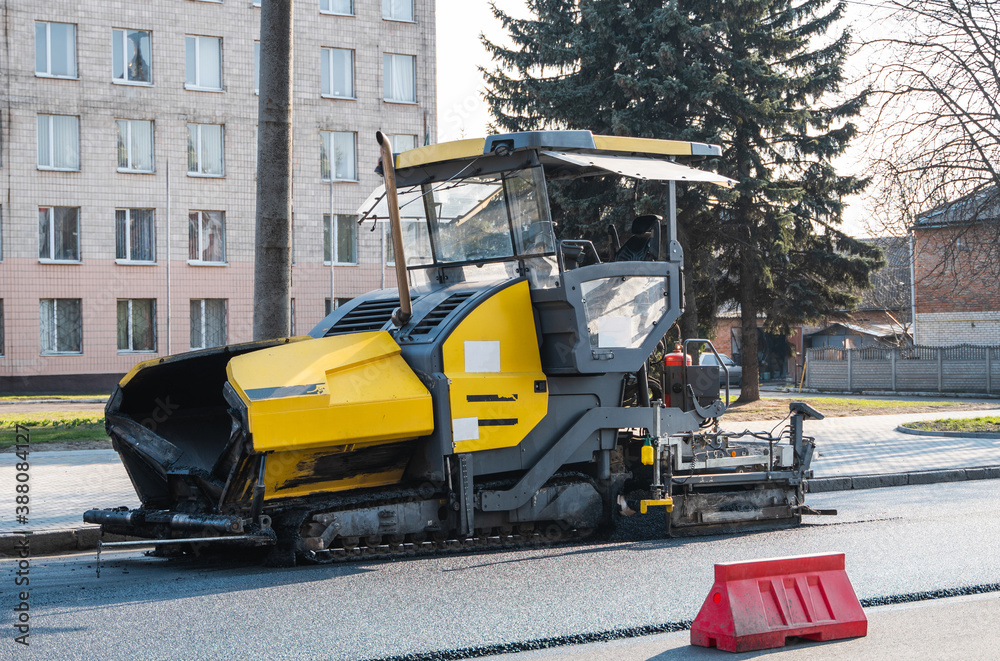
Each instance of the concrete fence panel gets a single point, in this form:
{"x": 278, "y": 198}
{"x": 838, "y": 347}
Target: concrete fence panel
{"x": 962, "y": 368}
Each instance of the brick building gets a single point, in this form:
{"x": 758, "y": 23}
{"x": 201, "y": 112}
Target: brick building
{"x": 956, "y": 259}
{"x": 128, "y": 166}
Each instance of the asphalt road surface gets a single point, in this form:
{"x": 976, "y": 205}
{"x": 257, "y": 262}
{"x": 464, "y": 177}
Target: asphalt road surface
{"x": 898, "y": 541}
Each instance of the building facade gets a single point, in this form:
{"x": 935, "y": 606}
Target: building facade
{"x": 956, "y": 263}
{"x": 128, "y": 168}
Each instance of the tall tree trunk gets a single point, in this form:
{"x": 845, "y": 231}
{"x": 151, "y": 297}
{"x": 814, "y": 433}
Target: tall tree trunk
{"x": 689, "y": 320}
{"x": 749, "y": 391}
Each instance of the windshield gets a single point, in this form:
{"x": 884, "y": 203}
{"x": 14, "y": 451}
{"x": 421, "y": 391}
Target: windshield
{"x": 490, "y": 218}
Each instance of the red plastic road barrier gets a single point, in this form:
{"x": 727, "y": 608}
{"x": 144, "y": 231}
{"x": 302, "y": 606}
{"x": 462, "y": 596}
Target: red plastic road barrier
{"x": 756, "y": 605}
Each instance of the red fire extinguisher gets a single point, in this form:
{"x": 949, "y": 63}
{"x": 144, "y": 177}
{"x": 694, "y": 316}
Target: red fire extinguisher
{"x": 676, "y": 358}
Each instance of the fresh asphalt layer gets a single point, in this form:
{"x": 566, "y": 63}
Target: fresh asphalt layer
{"x": 852, "y": 453}
{"x": 936, "y": 539}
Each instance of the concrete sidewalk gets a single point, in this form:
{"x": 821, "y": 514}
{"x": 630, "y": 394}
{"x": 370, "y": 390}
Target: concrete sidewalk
{"x": 870, "y": 445}
{"x": 849, "y": 450}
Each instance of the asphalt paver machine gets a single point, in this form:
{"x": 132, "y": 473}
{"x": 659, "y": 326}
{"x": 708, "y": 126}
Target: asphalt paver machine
{"x": 491, "y": 398}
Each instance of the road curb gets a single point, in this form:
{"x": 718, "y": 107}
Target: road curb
{"x": 948, "y": 434}
{"x": 827, "y": 484}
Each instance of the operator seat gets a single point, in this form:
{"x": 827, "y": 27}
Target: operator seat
{"x": 644, "y": 244}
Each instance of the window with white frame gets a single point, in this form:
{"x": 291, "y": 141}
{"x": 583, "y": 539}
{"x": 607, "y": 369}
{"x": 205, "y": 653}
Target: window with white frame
{"x": 60, "y": 325}
{"x": 137, "y": 324}
{"x": 131, "y": 56}
{"x": 399, "y": 78}
{"x": 397, "y": 10}
{"x": 338, "y": 156}
{"x": 55, "y": 50}
{"x": 341, "y": 236}
{"x": 403, "y": 142}
{"x": 207, "y": 237}
{"x": 208, "y": 322}
{"x": 256, "y": 67}
{"x": 135, "y": 145}
{"x": 58, "y": 142}
{"x": 343, "y": 7}
{"x": 337, "y": 73}
{"x": 203, "y": 63}
{"x": 205, "y": 156}
{"x": 135, "y": 235}
{"x": 59, "y": 234}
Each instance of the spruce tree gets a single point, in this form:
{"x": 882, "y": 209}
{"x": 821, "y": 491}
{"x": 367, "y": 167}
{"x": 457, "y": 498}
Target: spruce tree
{"x": 751, "y": 75}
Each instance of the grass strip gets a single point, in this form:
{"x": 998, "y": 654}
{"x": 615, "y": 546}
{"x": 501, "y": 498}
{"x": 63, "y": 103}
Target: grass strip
{"x": 986, "y": 424}
{"x": 49, "y": 426}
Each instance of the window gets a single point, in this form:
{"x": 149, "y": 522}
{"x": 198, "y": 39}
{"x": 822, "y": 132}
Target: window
{"x": 58, "y": 142}
{"x": 203, "y": 63}
{"x": 208, "y": 322}
{"x": 337, "y": 73}
{"x": 401, "y": 143}
{"x": 338, "y": 302}
{"x": 256, "y": 3}
{"x": 344, "y": 156}
{"x": 205, "y": 150}
{"x": 291, "y": 318}
{"x": 256, "y": 67}
{"x": 55, "y": 50}
{"x": 135, "y": 145}
{"x": 137, "y": 324}
{"x": 400, "y": 83}
{"x": 345, "y": 7}
{"x": 135, "y": 235}
{"x": 1, "y": 232}
{"x": 207, "y": 237}
{"x": 1, "y": 328}
{"x": 344, "y": 235}
{"x": 131, "y": 56}
{"x": 59, "y": 234}
{"x": 61, "y": 325}
{"x": 397, "y": 10}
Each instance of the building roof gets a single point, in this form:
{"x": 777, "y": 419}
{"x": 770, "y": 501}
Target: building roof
{"x": 980, "y": 205}
{"x": 875, "y": 330}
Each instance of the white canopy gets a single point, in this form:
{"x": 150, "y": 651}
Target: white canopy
{"x": 641, "y": 168}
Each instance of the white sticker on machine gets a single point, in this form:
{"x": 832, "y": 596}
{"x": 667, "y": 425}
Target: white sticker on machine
{"x": 482, "y": 356}
{"x": 614, "y": 332}
{"x": 465, "y": 429}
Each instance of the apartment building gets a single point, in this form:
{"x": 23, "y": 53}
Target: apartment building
{"x": 128, "y": 167}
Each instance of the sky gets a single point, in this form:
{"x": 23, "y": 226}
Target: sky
{"x": 462, "y": 111}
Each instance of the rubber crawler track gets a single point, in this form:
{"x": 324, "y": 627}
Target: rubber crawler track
{"x": 652, "y": 629}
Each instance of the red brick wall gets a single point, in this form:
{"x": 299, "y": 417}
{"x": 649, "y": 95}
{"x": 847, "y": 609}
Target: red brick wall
{"x": 953, "y": 278}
